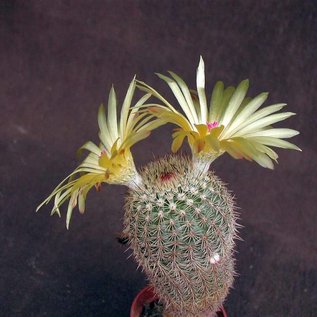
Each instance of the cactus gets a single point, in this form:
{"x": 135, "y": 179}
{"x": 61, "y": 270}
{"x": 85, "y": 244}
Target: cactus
{"x": 180, "y": 220}
{"x": 181, "y": 228}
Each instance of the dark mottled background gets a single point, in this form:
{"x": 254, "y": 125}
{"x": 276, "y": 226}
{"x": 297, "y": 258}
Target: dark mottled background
{"x": 58, "y": 60}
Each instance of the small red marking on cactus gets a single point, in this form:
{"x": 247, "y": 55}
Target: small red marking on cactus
{"x": 167, "y": 176}
{"x": 211, "y": 125}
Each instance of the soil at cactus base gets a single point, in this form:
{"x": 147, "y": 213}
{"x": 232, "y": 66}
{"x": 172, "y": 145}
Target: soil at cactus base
{"x": 155, "y": 309}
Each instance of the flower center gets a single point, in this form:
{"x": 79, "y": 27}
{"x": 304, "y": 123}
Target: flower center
{"x": 211, "y": 125}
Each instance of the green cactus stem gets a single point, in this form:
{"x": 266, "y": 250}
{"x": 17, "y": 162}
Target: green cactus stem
{"x": 181, "y": 227}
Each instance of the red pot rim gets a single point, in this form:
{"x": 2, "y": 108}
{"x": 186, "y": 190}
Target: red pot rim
{"x": 147, "y": 295}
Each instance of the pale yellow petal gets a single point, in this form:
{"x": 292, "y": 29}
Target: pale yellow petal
{"x": 257, "y": 116}
{"x": 90, "y": 146}
{"x": 200, "y": 82}
{"x": 235, "y": 101}
{"x": 125, "y": 108}
{"x": 104, "y": 134}
{"x": 178, "y": 141}
{"x": 244, "y": 115}
{"x": 229, "y": 91}
{"x": 215, "y": 102}
{"x": 145, "y": 87}
{"x": 263, "y": 123}
{"x": 281, "y": 133}
{"x": 179, "y": 96}
{"x": 202, "y": 129}
{"x": 112, "y": 120}
{"x": 187, "y": 95}
{"x": 270, "y": 141}
{"x": 135, "y": 137}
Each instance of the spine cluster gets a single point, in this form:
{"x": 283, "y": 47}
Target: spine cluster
{"x": 181, "y": 227}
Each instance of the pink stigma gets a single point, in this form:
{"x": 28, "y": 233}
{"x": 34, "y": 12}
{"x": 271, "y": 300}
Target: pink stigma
{"x": 211, "y": 125}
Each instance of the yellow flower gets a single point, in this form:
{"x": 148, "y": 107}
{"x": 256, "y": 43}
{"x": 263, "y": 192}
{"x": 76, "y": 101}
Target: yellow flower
{"x": 232, "y": 123}
{"x": 110, "y": 162}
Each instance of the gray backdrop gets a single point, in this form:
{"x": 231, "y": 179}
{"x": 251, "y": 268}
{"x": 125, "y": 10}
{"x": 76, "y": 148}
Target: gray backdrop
{"x": 58, "y": 60}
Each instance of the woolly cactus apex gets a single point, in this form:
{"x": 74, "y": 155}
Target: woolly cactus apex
{"x": 181, "y": 228}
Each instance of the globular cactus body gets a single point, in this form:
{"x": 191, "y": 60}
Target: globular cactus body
{"x": 181, "y": 227}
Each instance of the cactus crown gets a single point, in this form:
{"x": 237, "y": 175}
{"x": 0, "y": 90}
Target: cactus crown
{"x": 179, "y": 218}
